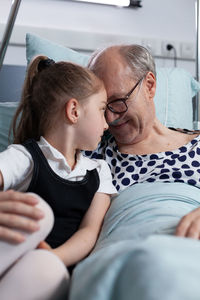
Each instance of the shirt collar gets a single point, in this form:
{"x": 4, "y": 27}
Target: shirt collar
{"x": 82, "y": 162}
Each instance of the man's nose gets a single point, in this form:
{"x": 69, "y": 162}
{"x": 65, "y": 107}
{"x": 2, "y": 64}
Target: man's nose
{"x": 110, "y": 116}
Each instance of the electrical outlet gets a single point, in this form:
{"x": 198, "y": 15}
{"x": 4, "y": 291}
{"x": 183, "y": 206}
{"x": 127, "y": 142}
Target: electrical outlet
{"x": 170, "y": 53}
{"x": 187, "y": 50}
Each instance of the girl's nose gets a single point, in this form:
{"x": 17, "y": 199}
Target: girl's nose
{"x": 105, "y": 125}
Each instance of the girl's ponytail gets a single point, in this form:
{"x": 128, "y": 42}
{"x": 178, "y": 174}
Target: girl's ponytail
{"x": 25, "y": 122}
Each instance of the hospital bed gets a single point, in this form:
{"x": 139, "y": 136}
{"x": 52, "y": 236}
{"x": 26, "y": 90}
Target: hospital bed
{"x": 97, "y": 277}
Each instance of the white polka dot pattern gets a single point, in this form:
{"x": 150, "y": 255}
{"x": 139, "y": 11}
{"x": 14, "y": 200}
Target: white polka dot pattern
{"x": 180, "y": 165}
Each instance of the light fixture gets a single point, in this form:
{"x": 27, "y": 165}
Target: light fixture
{"x": 123, "y": 3}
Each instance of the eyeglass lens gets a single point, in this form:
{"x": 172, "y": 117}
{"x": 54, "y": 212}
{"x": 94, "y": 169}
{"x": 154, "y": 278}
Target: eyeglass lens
{"x": 118, "y": 106}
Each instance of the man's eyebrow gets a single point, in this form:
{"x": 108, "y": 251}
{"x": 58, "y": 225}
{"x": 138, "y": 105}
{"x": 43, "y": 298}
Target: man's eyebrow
{"x": 115, "y": 97}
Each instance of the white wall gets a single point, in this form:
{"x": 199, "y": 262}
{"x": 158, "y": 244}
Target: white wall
{"x": 88, "y": 26}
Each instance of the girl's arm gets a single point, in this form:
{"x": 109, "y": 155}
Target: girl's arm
{"x": 83, "y": 241}
{"x": 1, "y": 181}
{"x": 18, "y": 211}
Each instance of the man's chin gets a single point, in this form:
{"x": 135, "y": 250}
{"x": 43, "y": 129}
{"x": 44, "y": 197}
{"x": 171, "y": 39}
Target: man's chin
{"x": 122, "y": 140}
{"x": 125, "y": 139}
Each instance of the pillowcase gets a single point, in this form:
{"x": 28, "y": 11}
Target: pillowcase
{"x": 36, "y": 45}
{"x": 175, "y": 86}
{"x": 173, "y": 99}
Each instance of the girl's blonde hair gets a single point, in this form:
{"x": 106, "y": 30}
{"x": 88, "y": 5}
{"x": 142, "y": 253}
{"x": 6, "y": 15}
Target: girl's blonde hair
{"x": 47, "y": 87}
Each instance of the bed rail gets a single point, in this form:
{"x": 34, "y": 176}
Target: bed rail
{"x": 8, "y": 29}
{"x": 197, "y": 99}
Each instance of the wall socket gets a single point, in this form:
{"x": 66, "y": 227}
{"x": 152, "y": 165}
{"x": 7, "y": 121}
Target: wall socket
{"x": 170, "y": 53}
{"x": 184, "y": 50}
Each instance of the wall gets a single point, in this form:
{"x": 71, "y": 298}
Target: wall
{"x": 88, "y": 26}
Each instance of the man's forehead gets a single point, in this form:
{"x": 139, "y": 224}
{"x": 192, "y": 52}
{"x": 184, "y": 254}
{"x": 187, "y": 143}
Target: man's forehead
{"x": 115, "y": 92}
{"x": 117, "y": 84}
{"x": 115, "y": 73}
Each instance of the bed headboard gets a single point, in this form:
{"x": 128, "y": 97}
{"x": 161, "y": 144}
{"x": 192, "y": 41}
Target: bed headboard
{"x": 11, "y": 81}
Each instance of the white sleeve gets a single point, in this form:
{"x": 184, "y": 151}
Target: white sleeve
{"x": 16, "y": 166}
{"x": 105, "y": 178}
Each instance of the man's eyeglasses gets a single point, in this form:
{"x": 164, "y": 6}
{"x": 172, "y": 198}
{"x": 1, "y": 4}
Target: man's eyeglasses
{"x": 119, "y": 105}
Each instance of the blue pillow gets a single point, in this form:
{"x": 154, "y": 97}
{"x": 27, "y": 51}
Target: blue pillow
{"x": 175, "y": 86}
{"x": 36, "y": 45}
{"x": 173, "y": 99}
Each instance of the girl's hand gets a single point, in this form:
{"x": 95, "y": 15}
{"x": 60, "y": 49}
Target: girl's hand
{"x": 18, "y": 211}
{"x": 44, "y": 245}
{"x": 189, "y": 225}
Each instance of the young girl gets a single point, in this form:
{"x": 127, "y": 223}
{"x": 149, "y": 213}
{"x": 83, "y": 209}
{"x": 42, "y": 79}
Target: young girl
{"x": 61, "y": 112}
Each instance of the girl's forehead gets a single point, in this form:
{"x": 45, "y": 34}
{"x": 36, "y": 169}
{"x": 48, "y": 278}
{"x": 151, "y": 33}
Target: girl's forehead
{"x": 97, "y": 98}
{"x": 102, "y": 94}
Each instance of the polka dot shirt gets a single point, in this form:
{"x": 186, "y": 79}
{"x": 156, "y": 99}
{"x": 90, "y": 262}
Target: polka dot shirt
{"x": 180, "y": 165}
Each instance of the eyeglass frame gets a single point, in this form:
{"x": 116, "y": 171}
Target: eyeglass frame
{"x": 124, "y": 99}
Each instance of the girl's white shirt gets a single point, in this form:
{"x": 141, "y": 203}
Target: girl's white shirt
{"x": 16, "y": 165}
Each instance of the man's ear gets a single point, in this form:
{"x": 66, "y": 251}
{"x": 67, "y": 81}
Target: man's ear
{"x": 150, "y": 80}
{"x": 72, "y": 110}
